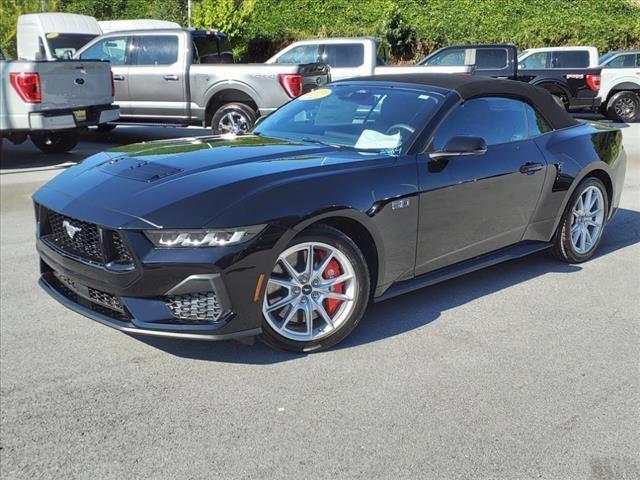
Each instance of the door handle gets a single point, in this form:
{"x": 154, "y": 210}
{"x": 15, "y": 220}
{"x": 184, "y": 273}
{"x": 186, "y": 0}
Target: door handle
{"x": 118, "y": 78}
{"x": 171, "y": 77}
{"x": 530, "y": 168}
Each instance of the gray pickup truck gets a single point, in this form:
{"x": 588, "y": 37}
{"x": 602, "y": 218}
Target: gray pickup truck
{"x": 51, "y": 101}
{"x": 179, "y": 76}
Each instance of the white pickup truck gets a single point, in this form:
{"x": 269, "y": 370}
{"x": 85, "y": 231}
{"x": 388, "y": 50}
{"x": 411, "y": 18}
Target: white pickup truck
{"x": 51, "y": 101}
{"x": 351, "y": 57}
{"x": 620, "y": 85}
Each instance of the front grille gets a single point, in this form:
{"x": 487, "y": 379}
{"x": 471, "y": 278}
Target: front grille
{"x": 106, "y": 299}
{"x": 78, "y": 238}
{"x": 200, "y": 307}
{"x": 99, "y": 301}
{"x": 83, "y": 240}
{"x": 121, "y": 251}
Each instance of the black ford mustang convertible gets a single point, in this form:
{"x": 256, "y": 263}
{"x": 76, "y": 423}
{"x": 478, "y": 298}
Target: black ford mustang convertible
{"x": 359, "y": 191}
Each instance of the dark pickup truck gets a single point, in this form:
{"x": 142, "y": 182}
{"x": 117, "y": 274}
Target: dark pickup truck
{"x": 576, "y": 88}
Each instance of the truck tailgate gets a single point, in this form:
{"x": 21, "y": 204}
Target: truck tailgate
{"x": 73, "y": 83}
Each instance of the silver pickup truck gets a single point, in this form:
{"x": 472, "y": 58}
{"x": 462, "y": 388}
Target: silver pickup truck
{"x": 51, "y": 101}
{"x": 178, "y": 76}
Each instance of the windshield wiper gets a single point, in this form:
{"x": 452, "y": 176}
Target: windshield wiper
{"x": 318, "y": 142}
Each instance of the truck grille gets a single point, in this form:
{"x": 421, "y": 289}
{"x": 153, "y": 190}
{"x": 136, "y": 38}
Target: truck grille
{"x": 83, "y": 240}
{"x": 200, "y": 307}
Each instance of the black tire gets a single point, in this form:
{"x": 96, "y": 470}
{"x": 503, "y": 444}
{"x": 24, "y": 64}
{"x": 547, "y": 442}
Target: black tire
{"x": 106, "y": 127}
{"x": 563, "y": 248}
{"x": 345, "y": 245}
{"x": 624, "y": 107}
{"x": 55, "y": 142}
{"x": 244, "y": 117}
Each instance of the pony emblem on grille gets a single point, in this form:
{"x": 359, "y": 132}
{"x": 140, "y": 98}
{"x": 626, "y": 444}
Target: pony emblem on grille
{"x": 70, "y": 229}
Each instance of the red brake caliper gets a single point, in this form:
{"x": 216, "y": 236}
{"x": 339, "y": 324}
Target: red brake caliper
{"x": 333, "y": 270}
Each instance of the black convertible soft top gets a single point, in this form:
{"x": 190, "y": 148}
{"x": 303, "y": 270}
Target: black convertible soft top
{"x": 471, "y": 87}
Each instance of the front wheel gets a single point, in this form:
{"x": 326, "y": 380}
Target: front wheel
{"x": 582, "y": 225}
{"x": 624, "y": 107}
{"x": 233, "y": 118}
{"x": 317, "y": 292}
{"x": 55, "y": 142}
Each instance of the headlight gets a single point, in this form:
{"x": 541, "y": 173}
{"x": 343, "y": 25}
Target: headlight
{"x": 202, "y": 238}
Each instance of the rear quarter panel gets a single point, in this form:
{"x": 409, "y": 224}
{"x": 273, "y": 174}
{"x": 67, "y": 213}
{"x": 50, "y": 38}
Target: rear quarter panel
{"x": 573, "y": 154}
{"x": 259, "y": 81}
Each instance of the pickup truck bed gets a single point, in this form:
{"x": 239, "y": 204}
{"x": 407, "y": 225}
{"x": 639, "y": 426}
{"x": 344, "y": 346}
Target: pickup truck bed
{"x": 178, "y": 76}
{"x": 575, "y": 88}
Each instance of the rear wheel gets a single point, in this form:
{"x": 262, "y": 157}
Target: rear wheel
{"x": 581, "y": 228}
{"x": 55, "y": 142}
{"x": 624, "y": 107}
{"x": 317, "y": 292}
{"x": 233, "y": 118}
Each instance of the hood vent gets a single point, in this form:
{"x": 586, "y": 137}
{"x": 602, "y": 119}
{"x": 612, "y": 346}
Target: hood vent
{"x": 136, "y": 169}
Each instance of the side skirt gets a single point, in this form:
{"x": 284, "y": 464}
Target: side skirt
{"x": 462, "y": 268}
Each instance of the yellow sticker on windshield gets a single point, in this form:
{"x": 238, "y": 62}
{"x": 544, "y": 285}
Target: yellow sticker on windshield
{"x": 52, "y": 35}
{"x": 316, "y": 94}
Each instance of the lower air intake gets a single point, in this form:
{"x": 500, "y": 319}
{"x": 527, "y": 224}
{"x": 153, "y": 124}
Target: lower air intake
{"x": 195, "y": 307}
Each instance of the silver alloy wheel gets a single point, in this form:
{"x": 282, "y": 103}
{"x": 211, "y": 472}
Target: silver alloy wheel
{"x": 587, "y": 220}
{"x": 234, "y": 122}
{"x": 625, "y": 107}
{"x": 306, "y": 298}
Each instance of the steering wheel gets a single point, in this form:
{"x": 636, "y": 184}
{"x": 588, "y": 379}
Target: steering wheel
{"x": 400, "y": 126}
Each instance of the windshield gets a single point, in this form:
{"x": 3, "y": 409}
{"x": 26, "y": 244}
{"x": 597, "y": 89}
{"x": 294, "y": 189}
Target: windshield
{"x": 59, "y": 43}
{"x": 354, "y": 116}
{"x": 605, "y": 57}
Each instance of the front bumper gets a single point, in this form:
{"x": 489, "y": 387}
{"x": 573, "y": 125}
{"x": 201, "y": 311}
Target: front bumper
{"x": 131, "y": 326}
{"x": 141, "y": 296}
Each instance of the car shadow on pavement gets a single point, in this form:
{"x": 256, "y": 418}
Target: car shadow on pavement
{"x": 416, "y": 309}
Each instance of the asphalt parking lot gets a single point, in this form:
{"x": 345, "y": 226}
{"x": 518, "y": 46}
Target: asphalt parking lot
{"x": 529, "y": 369}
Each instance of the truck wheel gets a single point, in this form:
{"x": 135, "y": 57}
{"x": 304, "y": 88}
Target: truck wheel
{"x": 55, "y": 142}
{"x": 236, "y": 118}
{"x": 106, "y": 127}
{"x": 624, "y": 107}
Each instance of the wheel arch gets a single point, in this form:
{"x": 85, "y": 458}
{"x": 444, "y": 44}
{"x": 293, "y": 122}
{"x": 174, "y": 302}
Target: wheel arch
{"x": 357, "y": 226}
{"x": 551, "y": 84}
{"x": 624, "y": 86}
{"x": 597, "y": 170}
{"x": 228, "y": 95}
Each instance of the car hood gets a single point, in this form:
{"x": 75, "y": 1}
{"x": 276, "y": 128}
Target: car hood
{"x": 184, "y": 183}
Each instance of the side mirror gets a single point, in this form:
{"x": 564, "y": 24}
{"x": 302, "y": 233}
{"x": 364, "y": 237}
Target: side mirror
{"x": 461, "y": 145}
{"x": 67, "y": 55}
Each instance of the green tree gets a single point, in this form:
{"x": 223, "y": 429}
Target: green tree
{"x": 10, "y": 10}
{"x": 230, "y": 16}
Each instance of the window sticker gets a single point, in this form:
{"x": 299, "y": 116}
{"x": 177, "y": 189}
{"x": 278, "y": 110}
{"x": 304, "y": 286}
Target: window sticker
{"x": 52, "y": 35}
{"x": 370, "y": 139}
{"x": 316, "y": 94}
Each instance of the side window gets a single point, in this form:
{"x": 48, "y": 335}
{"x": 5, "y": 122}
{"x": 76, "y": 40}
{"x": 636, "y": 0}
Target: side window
{"x": 622, "y": 61}
{"x": 344, "y": 55}
{"x": 157, "y": 50}
{"x": 113, "y": 49}
{"x": 496, "y": 120}
{"x": 638, "y": 60}
{"x": 536, "y": 124}
{"x": 301, "y": 54}
{"x": 535, "y": 60}
{"x": 450, "y": 58}
{"x": 570, "y": 59}
{"x": 488, "y": 58}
